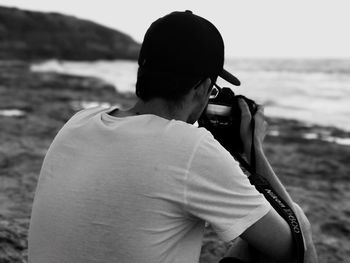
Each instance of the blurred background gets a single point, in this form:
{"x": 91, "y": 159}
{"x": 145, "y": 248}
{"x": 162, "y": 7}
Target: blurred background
{"x": 293, "y": 57}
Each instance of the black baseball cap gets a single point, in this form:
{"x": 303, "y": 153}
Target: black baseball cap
{"x": 184, "y": 43}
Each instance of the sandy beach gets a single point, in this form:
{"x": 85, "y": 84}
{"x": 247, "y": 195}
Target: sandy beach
{"x": 34, "y": 106}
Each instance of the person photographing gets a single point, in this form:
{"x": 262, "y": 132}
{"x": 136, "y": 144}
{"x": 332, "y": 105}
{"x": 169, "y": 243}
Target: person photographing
{"x": 138, "y": 185}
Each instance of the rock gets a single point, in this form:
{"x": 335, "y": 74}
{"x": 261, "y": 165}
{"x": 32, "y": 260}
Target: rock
{"x": 13, "y": 243}
{"x": 37, "y": 35}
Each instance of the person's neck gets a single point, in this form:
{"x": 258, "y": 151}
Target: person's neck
{"x": 159, "y": 107}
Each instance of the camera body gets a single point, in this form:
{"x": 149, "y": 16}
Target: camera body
{"x": 222, "y": 117}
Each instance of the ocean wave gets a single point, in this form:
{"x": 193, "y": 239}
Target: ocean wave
{"x": 329, "y": 66}
{"x": 315, "y": 91}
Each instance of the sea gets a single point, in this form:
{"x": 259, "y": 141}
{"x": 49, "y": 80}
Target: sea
{"x": 314, "y": 91}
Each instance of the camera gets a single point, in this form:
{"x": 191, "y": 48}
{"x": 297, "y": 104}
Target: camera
{"x": 222, "y": 117}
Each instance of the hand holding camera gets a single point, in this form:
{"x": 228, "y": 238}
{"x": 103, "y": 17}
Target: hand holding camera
{"x": 229, "y": 118}
{"x": 246, "y": 128}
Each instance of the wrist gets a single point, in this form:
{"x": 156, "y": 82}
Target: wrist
{"x": 259, "y": 151}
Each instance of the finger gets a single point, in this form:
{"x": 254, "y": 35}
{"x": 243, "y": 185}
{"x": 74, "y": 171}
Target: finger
{"x": 260, "y": 109}
{"x": 245, "y": 112}
{"x": 259, "y": 115}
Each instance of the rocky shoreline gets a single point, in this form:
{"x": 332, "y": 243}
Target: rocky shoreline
{"x": 34, "y": 106}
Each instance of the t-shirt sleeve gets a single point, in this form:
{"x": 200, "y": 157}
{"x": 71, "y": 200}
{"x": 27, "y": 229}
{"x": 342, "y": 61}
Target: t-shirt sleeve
{"x": 218, "y": 191}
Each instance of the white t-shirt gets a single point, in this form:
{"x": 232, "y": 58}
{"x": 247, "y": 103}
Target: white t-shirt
{"x": 136, "y": 189}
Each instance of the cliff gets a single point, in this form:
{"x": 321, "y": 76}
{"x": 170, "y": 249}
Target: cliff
{"x": 32, "y": 35}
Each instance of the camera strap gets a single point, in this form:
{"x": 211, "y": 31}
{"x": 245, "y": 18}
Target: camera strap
{"x": 282, "y": 208}
{"x": 223, "y": 133}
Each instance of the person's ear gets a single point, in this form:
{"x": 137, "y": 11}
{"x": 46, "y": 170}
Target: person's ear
{"x": 203, "y": 87}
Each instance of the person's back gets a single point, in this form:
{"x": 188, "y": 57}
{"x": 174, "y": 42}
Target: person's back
{"x": 120, "y": 190}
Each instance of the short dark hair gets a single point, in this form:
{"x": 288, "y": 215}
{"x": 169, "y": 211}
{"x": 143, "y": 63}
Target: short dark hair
{"x": 170, "y": 87}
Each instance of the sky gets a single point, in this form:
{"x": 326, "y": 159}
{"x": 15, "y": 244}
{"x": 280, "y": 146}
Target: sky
{"x": 250, "y": 28}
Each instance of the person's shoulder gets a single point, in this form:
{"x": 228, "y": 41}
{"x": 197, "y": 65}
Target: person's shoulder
{"x": 208, "y": 148}
{"x": 187, "y": 131}
{"x": 203, "y": 143}
{"x": 186, "y": 127}
{"x": 87, "y": 114}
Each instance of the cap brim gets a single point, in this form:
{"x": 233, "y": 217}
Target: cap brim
{"x": 230, "y": 78}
